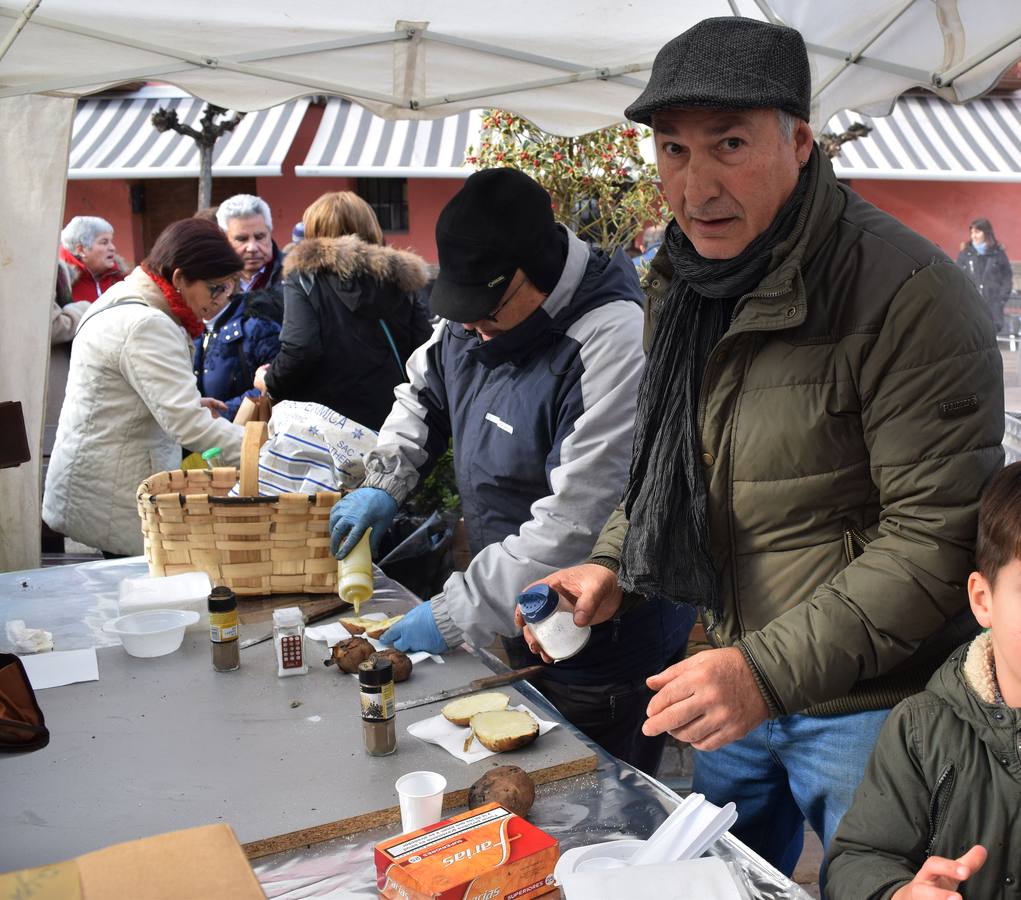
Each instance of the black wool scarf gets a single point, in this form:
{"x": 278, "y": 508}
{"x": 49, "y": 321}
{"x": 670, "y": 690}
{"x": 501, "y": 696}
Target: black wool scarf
{"x": 667, "y": 550}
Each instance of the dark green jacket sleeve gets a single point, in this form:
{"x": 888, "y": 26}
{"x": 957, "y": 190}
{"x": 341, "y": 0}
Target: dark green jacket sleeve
{"x": 611, "y": 538}
{"x": 931, "y": 393}
{"x": 880, "y": 843}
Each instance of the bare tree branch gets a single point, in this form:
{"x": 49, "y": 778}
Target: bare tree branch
{"x": 205, "y": 137}
{"x": 831, "y": 143}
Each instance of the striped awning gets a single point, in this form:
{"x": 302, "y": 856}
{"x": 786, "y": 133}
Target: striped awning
{"x": 113, "y": 137}
{"x": 352, "y": 142}
{"x": 927, "y": 139}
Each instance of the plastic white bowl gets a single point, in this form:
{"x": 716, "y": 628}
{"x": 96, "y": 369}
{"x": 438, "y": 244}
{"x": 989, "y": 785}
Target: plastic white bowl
{"x": 605, "y": 855}
{"x": 154, "y": 632}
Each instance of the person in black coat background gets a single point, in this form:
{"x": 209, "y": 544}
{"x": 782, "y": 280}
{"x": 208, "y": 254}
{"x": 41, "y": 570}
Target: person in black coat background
{"x": 350, "y": 320}
{"x": 986, "y": 263}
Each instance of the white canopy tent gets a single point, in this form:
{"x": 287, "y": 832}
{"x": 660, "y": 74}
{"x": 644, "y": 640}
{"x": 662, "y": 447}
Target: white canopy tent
{"x": 570, "y": 67}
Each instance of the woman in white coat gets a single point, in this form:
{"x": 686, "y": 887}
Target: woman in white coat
{"x": 131, "y": 402}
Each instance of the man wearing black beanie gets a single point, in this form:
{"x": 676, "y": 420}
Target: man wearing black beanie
{"x": 534, "y": 375}
{"x": 821, "y": 407}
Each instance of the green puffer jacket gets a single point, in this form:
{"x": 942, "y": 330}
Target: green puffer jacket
{"x": 850, "y": 417}
{"x": 945, "y": 775}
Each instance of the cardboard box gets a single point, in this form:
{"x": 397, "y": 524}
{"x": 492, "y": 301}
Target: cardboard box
{"x": 487, "y": 853}
{"x": 194, "y": 864}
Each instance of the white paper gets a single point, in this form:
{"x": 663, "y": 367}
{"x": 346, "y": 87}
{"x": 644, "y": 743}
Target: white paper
{"x": 60, "y": 667}
{"x": 692, "y": 879}
{"x": 451, "y": 737}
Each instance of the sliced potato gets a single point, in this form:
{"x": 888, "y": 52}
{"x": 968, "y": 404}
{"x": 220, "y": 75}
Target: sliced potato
{"x": 372, "y": 628}
{"x": 504, "y": 729}
{"x": 461, "y": 710}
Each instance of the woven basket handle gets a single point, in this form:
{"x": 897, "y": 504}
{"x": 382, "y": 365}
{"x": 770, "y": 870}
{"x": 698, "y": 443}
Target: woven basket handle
{"x": 255, "y": 437}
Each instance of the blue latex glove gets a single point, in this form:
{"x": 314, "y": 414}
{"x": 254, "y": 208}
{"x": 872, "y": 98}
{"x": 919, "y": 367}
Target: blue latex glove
{"x": 416, "y": 631}
{"x": 351, "y": 515}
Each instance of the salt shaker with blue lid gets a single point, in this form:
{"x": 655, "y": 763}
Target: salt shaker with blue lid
{"x": 551, "y": 620}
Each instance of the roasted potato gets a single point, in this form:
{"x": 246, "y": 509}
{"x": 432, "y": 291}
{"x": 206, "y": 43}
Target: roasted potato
{"x": 348, "y": 654}
{"x": 510, "y": 786}
{"x": 461, "y": 710}
{"x": 400, "y": 662}
{"x": 504, "y": 729}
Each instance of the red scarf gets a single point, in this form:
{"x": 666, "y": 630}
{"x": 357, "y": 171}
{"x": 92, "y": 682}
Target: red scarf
{"x": 84, "y": 285}
{"x": 192, "y": 323}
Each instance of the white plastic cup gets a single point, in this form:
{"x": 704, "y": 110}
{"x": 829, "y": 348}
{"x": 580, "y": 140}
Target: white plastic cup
{"x": 421, "y": 796}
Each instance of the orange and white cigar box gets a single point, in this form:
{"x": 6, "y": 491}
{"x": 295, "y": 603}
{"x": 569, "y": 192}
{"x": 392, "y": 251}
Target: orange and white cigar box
{"x": 488, "y": 853}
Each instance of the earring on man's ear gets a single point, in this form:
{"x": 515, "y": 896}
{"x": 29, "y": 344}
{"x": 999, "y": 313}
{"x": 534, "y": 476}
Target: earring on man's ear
{"x": 803, "y": 163}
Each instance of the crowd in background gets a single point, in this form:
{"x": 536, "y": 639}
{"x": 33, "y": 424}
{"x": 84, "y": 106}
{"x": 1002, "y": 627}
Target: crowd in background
{"x": 216, "y": 313}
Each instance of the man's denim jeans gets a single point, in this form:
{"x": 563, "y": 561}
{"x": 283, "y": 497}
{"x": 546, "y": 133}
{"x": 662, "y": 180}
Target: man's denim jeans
{"x": 786, "y": 771}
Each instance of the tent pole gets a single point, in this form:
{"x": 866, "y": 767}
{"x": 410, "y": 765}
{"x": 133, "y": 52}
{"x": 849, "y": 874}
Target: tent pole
{"x": 63, "y": 84}
{"x": 26, "y": 14}
{"x": 853, "y": 57}
{"x": 947, "y": 78}
{"x": 606, "y": 74}
{"x": 920, "y": 76}
{"x": 362, "y": 40}
{"x": 191, "y": 59}
{"x": 767, "y": 11}
{"x": 508, "y": 53}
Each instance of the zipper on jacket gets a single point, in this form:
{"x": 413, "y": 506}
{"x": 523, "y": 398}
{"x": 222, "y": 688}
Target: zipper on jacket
{"x": 854, "y": 544}
{"x": 938, "y": 805}
{"x": 708, "y": 620}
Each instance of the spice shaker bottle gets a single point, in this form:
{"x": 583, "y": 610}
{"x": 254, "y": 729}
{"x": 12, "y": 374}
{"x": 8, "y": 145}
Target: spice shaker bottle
{"x": 223, "y": 629}
{"x": 551, "y": 620}
{"x": 289, "y": 640}
{"x": 379, "y": 726}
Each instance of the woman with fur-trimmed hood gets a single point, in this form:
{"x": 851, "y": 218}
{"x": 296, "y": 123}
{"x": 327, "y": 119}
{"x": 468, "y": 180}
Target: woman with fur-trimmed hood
{"x": 350, "y": 316}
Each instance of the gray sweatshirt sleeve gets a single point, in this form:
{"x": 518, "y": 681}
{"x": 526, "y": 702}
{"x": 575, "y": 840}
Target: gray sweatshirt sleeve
{"x": 594, "y": 449}
{"x": 418, "y": 428}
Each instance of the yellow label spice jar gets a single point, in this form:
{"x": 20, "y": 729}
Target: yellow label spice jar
{"x": 223, "y": 629}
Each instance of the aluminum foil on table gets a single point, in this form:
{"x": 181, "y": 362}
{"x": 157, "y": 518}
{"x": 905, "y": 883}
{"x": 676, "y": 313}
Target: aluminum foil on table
{"x": 72, "y": 602}
{"x": 613, "y": 802}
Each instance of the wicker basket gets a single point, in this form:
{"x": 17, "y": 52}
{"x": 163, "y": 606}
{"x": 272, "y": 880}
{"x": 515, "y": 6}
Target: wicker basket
{"x": 251, "y": 544}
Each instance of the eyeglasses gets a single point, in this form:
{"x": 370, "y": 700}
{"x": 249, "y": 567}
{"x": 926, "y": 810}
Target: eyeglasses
{"x": 507, "y": 299}
{"x": 216, "y": 289}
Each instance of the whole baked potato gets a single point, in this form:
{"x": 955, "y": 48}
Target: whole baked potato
{"x": 401, "y": 663}
{"x": 510, "y": 786}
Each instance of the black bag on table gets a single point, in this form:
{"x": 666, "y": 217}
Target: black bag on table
{"x": 22, "y": 726}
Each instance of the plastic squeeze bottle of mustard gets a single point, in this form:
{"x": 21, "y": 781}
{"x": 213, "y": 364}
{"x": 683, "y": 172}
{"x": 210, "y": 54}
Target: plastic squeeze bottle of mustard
{"x": 354, "y": 573}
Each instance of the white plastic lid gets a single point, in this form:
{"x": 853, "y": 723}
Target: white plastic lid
{"x": 288, "y": 615}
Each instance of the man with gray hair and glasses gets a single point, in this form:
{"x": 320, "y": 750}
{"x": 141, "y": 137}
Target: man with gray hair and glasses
{"x": 821, "y": 406}
{"x": 248, "y": 224}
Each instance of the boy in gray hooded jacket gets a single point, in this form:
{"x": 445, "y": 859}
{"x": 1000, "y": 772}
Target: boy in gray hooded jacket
{"x": 935, "y": 817}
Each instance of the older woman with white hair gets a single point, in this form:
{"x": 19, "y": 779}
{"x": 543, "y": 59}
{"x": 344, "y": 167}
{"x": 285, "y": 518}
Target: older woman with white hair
{"x": 88, "y": 258}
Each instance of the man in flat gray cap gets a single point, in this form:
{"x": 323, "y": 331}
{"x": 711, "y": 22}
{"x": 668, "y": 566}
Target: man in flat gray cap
{"x": 821, "y": 407}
